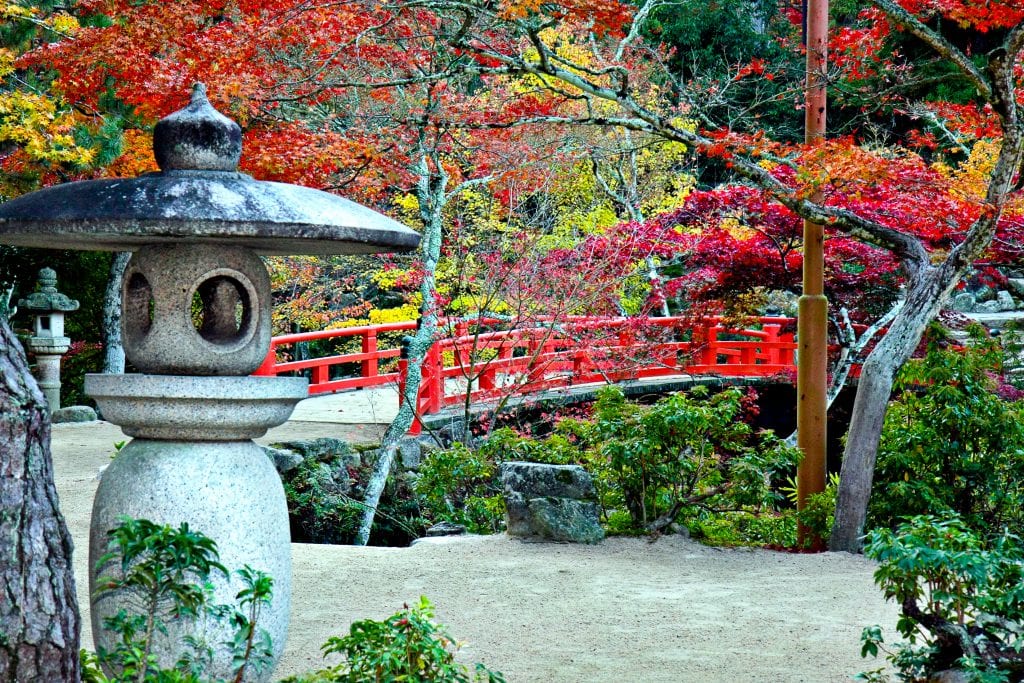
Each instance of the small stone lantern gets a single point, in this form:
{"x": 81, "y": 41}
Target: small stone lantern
{"x": 196, "y": 324}
{"x": 48, "y": 342}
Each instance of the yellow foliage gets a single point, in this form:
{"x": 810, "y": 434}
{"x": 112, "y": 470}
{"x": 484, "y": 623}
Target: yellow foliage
{"x": 386, "y": 279}
{"x": 60, "y": 22}
{"x": 6, "y": 62}
{"x": 38, "y": 126}
{"x": 33, "y": 123}
{"x": 64, "y": 23}
{"x": 10, "y": 10}
{"x": 471, "y": 303}
{"x": 969, "y": 181}
{"x": 735, "y": 227}
{"x": 407, "y": 208}
{"x": 477, "y": 209}
{"x": 379, "y": 316}
{"x": 344, "y": 323}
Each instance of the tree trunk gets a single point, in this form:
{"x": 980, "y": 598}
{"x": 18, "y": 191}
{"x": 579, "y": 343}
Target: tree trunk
{"x": 397, "y": 430}
{"x": 927, "y": 292}
{"x": 431, "y": 193}
{"x": 39, "y": 620}
{"x": 113, "y": 351}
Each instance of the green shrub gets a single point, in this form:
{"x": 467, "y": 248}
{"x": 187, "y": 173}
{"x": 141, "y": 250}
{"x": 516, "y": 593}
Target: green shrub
{"x": 325, "y": 503}
{"x": 817, "y": 515}
{"x": 950, "y": 444}
{"x": 961, "y": 600}
{"x": 407, "y": 646}
{"x": 732, "y": 529}
{"x": 506, "y": 444}
{"x": 168, "y": 571}
{"x": 459, "y": 485}
{"x": 319, "y": 505}
{"x": 686, "y": 457}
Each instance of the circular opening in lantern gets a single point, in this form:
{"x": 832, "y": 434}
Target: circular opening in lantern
{"x": 223, "y": 309}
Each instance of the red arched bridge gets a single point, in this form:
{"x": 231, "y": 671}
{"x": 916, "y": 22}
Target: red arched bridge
{"x": 479, "y": 362}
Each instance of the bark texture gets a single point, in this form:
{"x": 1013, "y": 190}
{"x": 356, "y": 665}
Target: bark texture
{"x": 39, "y": 620}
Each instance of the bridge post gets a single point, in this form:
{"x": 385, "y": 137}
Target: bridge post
{"x": 321, "y": 375}
{"x": 771, "y": 348}
{"x": 708, "y": 351}
{"x": 269, "y": 361}
{"x": 433, "y": 379}
{"x": 370, "y": 368}
{"x": 403, "y": 381}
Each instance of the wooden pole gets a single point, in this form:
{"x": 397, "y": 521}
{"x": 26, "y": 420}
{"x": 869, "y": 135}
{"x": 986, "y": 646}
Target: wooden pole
{"x": 812, "y": 324}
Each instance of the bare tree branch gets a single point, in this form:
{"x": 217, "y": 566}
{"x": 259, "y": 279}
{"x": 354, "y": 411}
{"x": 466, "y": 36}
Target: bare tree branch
{"x": 936, "y": 42}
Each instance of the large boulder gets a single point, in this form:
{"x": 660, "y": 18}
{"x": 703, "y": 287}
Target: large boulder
{"x": 1016, "y": 287}
{"x": 550, "y": 502}
{"x": 284, "y": 460}
{"x": 963, "y": 302}
{"x": 287, "y": 456}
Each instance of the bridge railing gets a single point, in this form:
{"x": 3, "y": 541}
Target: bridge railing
{"x": 485, "y": 366}
{"x": 487, "y": 363}
{"x": 326, "y": 373}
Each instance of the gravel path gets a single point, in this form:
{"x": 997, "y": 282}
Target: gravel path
{"x": 623, "y": 611}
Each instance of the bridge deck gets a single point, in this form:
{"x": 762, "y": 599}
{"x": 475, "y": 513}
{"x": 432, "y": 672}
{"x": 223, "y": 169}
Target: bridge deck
{"x": 375, "y": 405}
{"x": 379, "y": 405}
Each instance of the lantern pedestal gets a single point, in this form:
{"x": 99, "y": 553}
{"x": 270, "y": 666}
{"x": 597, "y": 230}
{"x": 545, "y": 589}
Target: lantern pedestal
{"x": 48, "y": 352}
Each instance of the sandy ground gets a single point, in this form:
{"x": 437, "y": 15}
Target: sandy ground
{"x": 623, "y": 611}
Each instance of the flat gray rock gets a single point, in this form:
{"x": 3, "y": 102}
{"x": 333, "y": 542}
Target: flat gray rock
{"x": 73, "y": 414}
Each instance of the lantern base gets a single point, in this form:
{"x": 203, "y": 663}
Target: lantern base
{"x": 228, "y": 491}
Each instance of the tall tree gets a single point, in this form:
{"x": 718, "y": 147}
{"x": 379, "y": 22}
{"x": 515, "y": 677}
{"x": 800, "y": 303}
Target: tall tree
{"x": 517, "y": 38}
{"x": 39, "y": 620}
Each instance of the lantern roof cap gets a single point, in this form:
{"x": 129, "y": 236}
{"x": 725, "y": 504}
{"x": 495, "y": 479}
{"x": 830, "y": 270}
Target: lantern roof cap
{"x": 46, "y": 298}
{"x": 198, "y": 197}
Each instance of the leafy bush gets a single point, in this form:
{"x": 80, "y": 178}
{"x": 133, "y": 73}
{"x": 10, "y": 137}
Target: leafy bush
{"x": 950, "y": 444}
{"x": 731, "y": 529}
{"x": 689, "y": 456}
{"x": 818, "y": 513}
{"x": 686, "y": 455}
{"x": 961, "y": 601}
{"x": 407, "y": 646}
{"x": 320, "y": 507}
{"x": 458, "y": 485}
{"x": 168, "y": 571}
{"x": 325, "y": 503}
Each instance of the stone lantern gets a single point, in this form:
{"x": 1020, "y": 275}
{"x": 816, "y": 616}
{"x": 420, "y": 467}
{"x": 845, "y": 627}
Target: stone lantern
{"x": 196, "y": 323}
{"x": 48, "y": 342}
